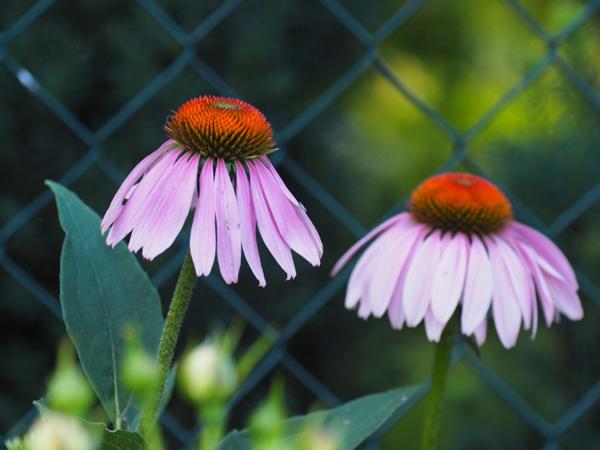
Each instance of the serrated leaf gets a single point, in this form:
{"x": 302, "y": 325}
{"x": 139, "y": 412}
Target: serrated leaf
{"x": 103, "y": 291}
{"x": 352, "y": 422}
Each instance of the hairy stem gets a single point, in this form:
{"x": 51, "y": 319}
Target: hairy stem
{"x": 179, "y": 304}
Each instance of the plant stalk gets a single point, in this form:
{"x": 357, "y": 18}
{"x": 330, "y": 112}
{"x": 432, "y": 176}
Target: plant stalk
{"x": 441, "y": 364}
{"x": 179, "y": 304}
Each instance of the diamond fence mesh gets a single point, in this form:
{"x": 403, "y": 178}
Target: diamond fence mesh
{"x": 190, "y": 57}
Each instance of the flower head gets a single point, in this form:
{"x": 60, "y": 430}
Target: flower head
{"x": 459, "y": 245}
{"x": 214, "y": 161}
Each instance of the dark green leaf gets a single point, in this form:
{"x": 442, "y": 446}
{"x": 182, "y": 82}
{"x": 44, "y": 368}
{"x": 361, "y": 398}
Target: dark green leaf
{"x": 121, "y": 440}
{"x": 103, "y": 291}
{"x": 353, "y": 422}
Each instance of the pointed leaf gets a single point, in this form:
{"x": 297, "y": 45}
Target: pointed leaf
{"x": 354, "y": 421}
{"x": 102, "y": 291}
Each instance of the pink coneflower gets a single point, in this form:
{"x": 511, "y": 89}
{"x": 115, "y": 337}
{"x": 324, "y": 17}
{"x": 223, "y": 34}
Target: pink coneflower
{"x": 459, "y": 244}
{"x": 214, "y": 161}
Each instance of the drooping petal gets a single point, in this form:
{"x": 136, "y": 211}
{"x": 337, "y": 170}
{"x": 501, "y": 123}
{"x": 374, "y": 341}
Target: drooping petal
{"x": 530, "y": 290}
{"x": 284, "y": 213}
{"x": 416, "y": 295}
{"x": 267, "y": 227}
{"x": 267, "y": 163}
{"x": 203, "y": 240}
{"x": 477, "y": 297}
{"x": 166, "y": 208}
{"x": 361, "y": 275}
{"x": 481, "y": 332}
{"x": 366, "y": 238}
{"x": 540, "y": 283}
{"x": 389, "y": 263}
{"x": 506, "y": 311}
{"x": 301, "y": 211}
{"x": 229, "y": 241}
{"x": 248, "y": 224}
{"x": 565, "y": 299}
{"x": 433, "y": 327}
{"x": 449, "y": 278}
{"x": 125, "y": 190}
{"x": 546, "y": 249}
{"x": 396, "y": 309}
{"x": 150, "y": 184}
{"x": 519, "y": 274}
{"x": 364, "y": 310}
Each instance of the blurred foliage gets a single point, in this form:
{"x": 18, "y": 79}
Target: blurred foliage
{"x": 368, "y": 149}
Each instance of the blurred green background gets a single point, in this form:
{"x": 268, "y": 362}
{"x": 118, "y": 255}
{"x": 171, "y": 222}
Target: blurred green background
{"x": 119, "y": 67}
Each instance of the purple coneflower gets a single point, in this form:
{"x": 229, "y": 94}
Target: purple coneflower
{"x": 458, "y": 244}
{"x": 214, "y": 161}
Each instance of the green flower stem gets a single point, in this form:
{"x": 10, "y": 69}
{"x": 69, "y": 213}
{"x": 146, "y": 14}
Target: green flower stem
{"x": 213, "y": 418}
{"x": 179, "y": 304}
{"x": 441, "y": 364}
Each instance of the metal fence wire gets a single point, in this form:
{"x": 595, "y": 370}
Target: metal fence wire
{"x": 93, "y": 140}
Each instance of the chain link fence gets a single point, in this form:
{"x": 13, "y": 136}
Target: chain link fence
{"x": 370, "y": 58}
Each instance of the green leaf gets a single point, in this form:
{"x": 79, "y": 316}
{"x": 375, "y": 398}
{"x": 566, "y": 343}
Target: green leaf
{"x": 121, "y": 440}
{"x": 102, "y": 291}
{"x": 353, "y": 422}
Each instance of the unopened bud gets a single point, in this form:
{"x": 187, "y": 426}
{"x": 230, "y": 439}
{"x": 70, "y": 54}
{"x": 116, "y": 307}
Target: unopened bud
{"x": 208, "y": 373}
{"x": 68, "y": 390}
{"x": 267, "y": 422}
{"x": 140, "y": 372}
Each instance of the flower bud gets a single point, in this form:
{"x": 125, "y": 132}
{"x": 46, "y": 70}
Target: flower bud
{"x": 57, "y": 432}
{"x": 267, "y": 428}
{"x": 140, "y": 372}
{"x": 68, "y": 390}
{"x": 208, "y": 373}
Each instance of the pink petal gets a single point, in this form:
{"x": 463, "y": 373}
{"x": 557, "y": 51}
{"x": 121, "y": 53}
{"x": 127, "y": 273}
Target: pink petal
{"x": 519, "y": 275}
{"x": 166, "y": 208}
{"x": 565, "y": 299}
{"x": 540, "y": 282}
{"x": 125, "y": 190}
{"x": 151, "y": 183}
{"x": 507, "y": 314}
{"x": 477, "y": 297}
{"x": 370, "y": 235}
{"x": 395, "y": 246}
{"x": 364, "y": 310}
{"x": 203, "y": 236}
{"x": 301, "y": 211}
{"x": 433, "y": 327}
{"x": 361, "y": 275}
{"x": 416, "y": 295}
{"x": 267, "y": 163}
{"x": 267, "y": 228}
{"x": 530, "y": 291}
{"x": 546, "y": 248}
{"x": 481, "y": 332}
{"x": 229, "y": 240}
{"x": 284, "y": 213}
{"x": 248, "y": 224}
{"x": 449, "y": 278}
{"x": 396, "y": 309}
